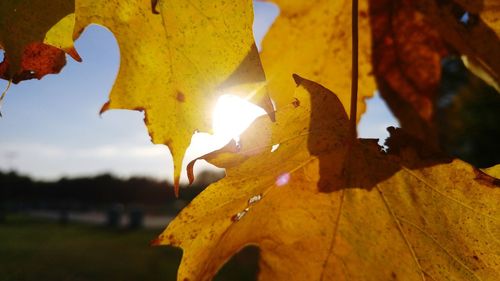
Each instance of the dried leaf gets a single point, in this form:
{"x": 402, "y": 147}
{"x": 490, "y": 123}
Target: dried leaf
{"x": 488, "y": 11}
{"x": 175, "y": 65}
{"x": 34, "y": 34}
{"x": 410, "y": 41}
{"x": 471, "y": 27}
{"x": 407, "y": 54}
{"x": 38, "y": 60}
{"x": 323, "y": 208}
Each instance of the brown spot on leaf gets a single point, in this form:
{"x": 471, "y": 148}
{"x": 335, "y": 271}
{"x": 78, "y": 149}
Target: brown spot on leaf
{"x": 180, "y": 96}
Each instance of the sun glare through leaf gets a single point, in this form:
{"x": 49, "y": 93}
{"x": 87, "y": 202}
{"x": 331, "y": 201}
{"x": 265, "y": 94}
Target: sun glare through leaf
{"x": 232, "y": 115}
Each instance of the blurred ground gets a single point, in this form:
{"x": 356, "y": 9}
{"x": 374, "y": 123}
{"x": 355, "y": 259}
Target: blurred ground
{"x": 38, "y": 249}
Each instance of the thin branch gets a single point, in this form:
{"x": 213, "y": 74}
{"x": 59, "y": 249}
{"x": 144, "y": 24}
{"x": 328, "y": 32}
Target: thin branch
{"x": 3, "y": 95}
{"x": 354, "y": 78}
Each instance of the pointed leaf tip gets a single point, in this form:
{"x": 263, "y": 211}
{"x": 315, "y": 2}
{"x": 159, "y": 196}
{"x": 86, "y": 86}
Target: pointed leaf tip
{"x": 177, "y": 168}
{"x": 72, "y": 52}
{"x": 297, "y": 79}
{"x": 104, "y": 108}
{"x": 176, "y": 186}
{"x": 190, "y": 171}
{"x": 155, "y": 242}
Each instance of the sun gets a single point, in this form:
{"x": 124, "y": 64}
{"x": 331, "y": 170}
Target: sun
{"x": 232, "y": 115}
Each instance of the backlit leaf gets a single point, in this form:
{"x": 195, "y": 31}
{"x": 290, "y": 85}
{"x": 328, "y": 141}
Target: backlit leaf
{"x": 175, "y": 65}
{"x": 473, "y": 28}
{"x": 493, "y": 171}
{"x": 411, "y": 39}
{"x": 407, "y": 55}
{"x": 321, "y": 207}
{"x": 313, "y": 39}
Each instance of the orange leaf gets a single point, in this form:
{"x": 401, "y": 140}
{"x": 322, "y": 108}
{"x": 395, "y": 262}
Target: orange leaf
{"x": 407, "y": 54}
{"x": 34, "y": 34}
{"x": 323, "y": 208}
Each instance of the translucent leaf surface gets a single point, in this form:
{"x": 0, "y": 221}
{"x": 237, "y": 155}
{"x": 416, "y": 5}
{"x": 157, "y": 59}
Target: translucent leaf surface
{"x": 313, "y": 39}
{"x": 321, "y": 207}
{"x": 175, "y": 64}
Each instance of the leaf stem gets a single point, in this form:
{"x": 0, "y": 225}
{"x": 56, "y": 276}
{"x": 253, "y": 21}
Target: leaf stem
{"x": 3, "y": 95}
{"x": 354, "y": 78}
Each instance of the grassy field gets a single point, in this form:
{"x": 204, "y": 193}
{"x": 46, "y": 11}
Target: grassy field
{"x": 39, "y": 250}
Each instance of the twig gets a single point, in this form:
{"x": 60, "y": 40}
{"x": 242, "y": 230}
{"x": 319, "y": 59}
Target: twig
{"x": 354, "y": 78}
{"x": 3, "y": 95}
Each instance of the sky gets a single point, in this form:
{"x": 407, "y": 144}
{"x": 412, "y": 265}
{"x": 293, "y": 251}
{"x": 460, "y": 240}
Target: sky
{"x": 51, "y": 127}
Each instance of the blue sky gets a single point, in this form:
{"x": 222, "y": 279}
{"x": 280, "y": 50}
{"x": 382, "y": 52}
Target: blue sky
{"x": 51, "y": 127}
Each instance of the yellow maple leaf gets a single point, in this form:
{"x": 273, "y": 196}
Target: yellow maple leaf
{"x": 313, "y": 39}
{"x": 321, "y": 207}
{"x": 175, "y": 65}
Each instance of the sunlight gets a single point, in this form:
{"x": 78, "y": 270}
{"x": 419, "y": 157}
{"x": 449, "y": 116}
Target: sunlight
{"x": 232, "y": 115}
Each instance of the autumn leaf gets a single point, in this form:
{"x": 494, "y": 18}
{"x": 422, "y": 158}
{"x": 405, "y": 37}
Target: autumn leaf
{"x": 410, "y": 41}
{"x": 489, "y": 175}
{"x": 472, "y": 28}
{"x": 321, "y": 207}
{"x": 407, "y": 55}
{"x": 35, "y": 34}
{"x": 487, "y": 10}
{"x": 404, "y": 43}
{"x": 313, "y": 39}
{"x": 493, "y": 171}
{"x": 175, "y": 65}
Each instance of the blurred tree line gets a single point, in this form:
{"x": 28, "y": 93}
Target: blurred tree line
{"x": 85, "y": 193}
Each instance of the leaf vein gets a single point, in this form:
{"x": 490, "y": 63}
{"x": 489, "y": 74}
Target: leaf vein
{"x": 447, "y": 196}
{"x": 334, "y": 235}
{"x": 440, "y": 246}
{"x": 400, "y": 230}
